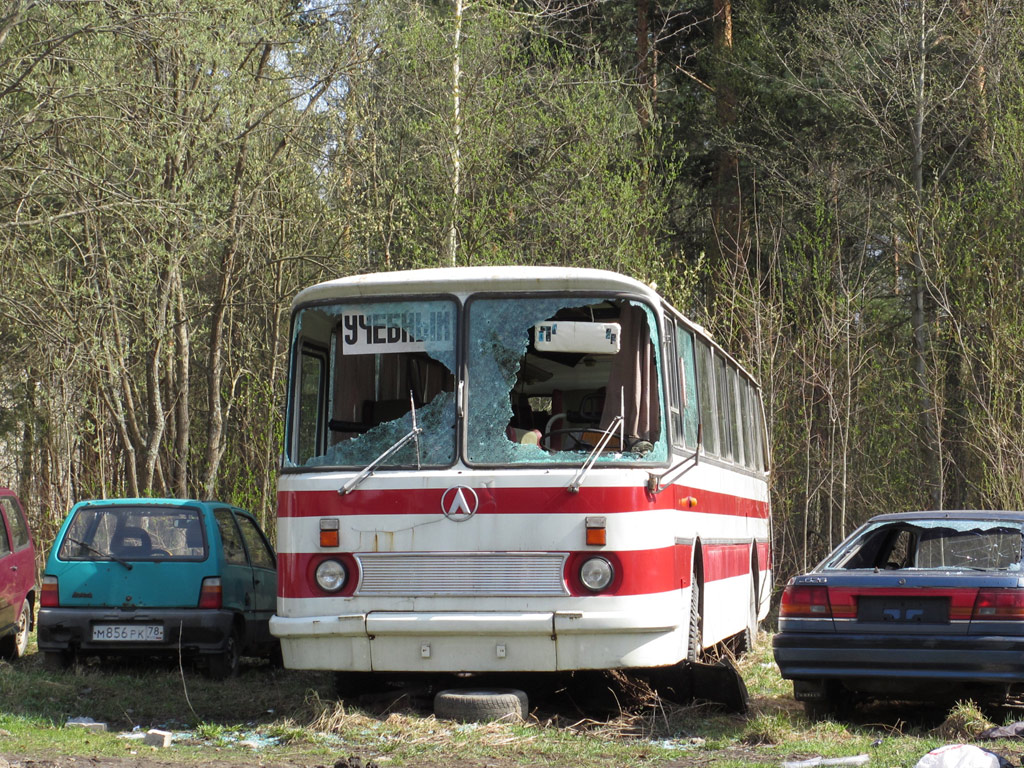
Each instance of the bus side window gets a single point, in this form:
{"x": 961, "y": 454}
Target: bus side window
{"x": 737, "y": 407}
{"x": 688, "y": 380}
{"x": 760, "y": 459}
{"x": 725, "y": 411}
{"x": 706, "y": 396}
{"x": 309, "y": 427}
{"x": 675, "y": 389}
{"x": 750, "y": 424}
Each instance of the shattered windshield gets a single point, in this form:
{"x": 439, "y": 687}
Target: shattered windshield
{"x": 547, "y": 378}
{"x": 134, "y": 533}
{"x": 362, "y": 372}
{"x": 940, "y": 544}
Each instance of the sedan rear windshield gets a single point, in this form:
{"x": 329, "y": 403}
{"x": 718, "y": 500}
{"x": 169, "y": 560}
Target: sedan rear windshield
{"x": 940, "y": 544}
{"x": 134, "y": 533}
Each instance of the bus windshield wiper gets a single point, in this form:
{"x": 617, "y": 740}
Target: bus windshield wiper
{"x": 100, "y": 552}
{"x": 412, "y": 434}
{"x": 577, "y": 481}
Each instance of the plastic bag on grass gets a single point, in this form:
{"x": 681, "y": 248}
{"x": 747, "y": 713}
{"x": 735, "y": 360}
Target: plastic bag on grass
{"x": 962, "y": 756}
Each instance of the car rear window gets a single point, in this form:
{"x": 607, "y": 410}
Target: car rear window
{"x": 940, "y": 544}
{"x": 134, "y": 533}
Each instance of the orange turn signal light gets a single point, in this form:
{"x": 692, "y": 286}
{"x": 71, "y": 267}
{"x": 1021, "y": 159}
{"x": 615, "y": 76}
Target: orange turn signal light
{"x": 597, "y": 534}
{"x": 329, "y": 533}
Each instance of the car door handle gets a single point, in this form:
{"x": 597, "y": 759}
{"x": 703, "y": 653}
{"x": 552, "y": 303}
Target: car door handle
{"x": 14, "y": 567}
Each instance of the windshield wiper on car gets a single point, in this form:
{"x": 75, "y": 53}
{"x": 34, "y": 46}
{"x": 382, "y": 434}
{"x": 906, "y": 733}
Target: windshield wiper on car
{"x": 100, "y": 552}
{"x": 412, "y": 434}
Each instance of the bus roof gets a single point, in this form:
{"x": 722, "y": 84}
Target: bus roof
{"x": 472, "y": 279}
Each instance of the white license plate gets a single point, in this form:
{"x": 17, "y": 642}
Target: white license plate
{"x": 139, "y": 633}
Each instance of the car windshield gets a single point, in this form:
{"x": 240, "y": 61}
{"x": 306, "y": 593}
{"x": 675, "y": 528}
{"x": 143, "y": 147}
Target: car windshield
{"x": 134, "y": 533}
{"x": 931, "y": 544}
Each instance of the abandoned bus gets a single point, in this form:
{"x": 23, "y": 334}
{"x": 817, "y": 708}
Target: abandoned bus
{"x": 514, "y": 469}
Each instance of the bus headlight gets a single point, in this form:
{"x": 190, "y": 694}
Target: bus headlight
{"x": 331, "y": 575}
{"x": 596, "y": 574}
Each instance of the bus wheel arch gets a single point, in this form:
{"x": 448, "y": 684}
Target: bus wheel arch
{"x": 695, "y": 631}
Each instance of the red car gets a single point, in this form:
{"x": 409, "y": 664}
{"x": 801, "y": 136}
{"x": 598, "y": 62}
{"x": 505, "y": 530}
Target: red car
{"x": 17, "y": 577}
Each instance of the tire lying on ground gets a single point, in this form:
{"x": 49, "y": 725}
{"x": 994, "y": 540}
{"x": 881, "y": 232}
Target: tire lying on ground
{"x": 476, "y": 705}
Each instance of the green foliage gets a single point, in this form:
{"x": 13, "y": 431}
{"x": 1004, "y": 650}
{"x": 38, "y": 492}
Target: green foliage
{"x": 555, "y": 167}
{"x": 171, "y": 175}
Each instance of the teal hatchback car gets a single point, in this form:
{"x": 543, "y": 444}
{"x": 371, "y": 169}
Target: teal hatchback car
{"x": 159, "y": 576}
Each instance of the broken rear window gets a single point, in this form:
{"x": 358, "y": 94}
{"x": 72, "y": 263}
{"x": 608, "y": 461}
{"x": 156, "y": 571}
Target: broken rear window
{"x": 940, "y": 544}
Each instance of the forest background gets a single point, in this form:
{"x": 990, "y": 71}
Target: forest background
{"x": 832, "y": 187}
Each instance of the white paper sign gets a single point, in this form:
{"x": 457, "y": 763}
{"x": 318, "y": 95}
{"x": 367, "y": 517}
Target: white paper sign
{"x": 385, "y": 333}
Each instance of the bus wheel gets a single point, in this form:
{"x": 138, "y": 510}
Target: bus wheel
{"x": 746, "y": 641}
{"x": 694, "y": 649}
{"x": 352, "y": 685}
{"x": 482, "y": 704}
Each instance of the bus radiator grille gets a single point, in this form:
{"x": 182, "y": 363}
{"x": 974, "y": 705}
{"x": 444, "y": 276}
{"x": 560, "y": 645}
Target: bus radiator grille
{"x": 479, "y": 574}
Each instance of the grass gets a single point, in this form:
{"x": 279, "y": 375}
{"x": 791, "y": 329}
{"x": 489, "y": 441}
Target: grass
{"x": 267, "y": 715}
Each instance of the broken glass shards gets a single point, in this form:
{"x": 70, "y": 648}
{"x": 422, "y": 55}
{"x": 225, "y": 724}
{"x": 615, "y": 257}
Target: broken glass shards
{"x": 553, "y": 402}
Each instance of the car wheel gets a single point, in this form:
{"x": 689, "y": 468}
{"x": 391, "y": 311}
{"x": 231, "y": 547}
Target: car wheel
{"x": 481, "y": 705}
{"x": 14, "y": 645}
{"x": 834, "y": 703}
{"x": 694, "y": 649}
{"x": 817, "y": 710}
{"x": 225, "y": 664}
{"x": 58, "y": 659}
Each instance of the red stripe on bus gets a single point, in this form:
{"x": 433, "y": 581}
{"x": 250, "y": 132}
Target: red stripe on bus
{"x": 641, "y": 572}
{"x": 553, "y": 501}
{"x": 764, "y": 556}
{"x": 725, "y": 560}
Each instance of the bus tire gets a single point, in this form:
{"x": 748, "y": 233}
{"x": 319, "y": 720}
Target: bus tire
{"x": 352, "y": 685}
{"x": 746, "y": 641}
{"x": 477, "y": 705}
{"x": 694, "y": 649}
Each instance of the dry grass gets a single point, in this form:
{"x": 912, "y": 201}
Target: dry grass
{"x": 963, "y": 723}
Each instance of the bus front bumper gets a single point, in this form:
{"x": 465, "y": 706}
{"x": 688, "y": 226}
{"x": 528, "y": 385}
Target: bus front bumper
{"x": 393, "y": 641}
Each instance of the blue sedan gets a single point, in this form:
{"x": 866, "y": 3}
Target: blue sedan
{"x": 912, "y": 606}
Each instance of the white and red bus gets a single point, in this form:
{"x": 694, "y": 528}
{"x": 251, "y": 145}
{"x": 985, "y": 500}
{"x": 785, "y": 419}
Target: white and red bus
{"x": 514, "y": 469}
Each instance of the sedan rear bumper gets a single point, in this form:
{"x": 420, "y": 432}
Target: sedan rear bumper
{"x": 190, "y": 631}
{"x": 985, "y": 659}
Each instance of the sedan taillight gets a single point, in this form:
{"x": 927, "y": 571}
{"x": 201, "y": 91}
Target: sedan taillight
{"x": 49, "y": 596}
{"x": 805, "y": 601}
{"x": 210, "y": 593}
{"x": 998, "y": 605}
